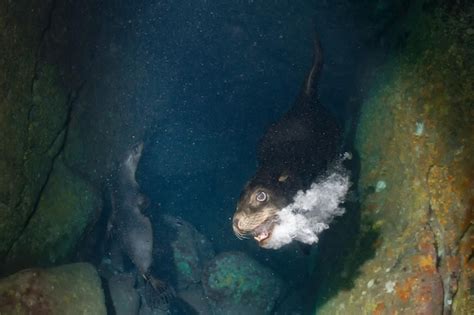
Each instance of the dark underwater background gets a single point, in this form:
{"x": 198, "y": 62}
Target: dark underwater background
{"x": 199, "y": 82}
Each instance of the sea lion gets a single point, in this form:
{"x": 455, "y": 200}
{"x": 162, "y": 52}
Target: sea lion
{"x": 131, "y": 227}
{"x": 293, "y": 152}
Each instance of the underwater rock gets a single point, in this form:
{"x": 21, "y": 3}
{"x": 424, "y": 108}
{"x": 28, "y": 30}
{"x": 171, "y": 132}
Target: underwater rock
{"x": 181, "y": 253}
{"x": 41, "y": 69}
{"x": 34, "y": 108}
{"x": 145, "y": 310}
{"x": 191, "y": 252}
{"x": 237, "y": 284}
{"x": 18, "y": 186}
{"x": 196, "y": 298}
{"x": 66, "y": 207}
{"x": 420, "y": 261}
{"x": 124, "y": 297}
{"x": 68, "y": 289}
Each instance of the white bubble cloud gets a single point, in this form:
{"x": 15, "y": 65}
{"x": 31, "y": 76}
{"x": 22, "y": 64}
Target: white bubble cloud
{"x": 311, "y": 211}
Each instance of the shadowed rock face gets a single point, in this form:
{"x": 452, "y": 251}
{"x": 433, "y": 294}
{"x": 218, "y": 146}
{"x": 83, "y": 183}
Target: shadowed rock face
{"x": 124, "y": 296}
{"x": 58, "y": 142}
{"x": 42, "y": 67}
{"x": 66, "y": 207}
{"x": 415, "y": 138}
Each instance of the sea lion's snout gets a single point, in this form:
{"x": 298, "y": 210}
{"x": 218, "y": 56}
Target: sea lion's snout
{"x": 237, "y": 230}
{"x": 256, "y": 214}
{"x": 260, "y": 232}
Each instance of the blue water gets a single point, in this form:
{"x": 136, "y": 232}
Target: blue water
{"x": 212, "y": 77}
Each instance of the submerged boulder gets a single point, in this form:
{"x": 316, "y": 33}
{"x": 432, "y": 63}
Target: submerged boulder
{"x": 415, "y": 139}
{"x": 66, "y": 207}
{"x": 191, "y": 251}
{"x": 46, "y": 46}
{"x": 237, "y": 284}
{"x": 180, "y": 255}
{"x": 33, "y": 113}
{"x": 68, "y": 289}
{"x": 123, "y": 294}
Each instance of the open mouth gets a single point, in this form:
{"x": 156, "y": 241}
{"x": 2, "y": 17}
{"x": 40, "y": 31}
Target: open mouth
{"x": 261, "y": 236}
{"x": 264, "y": 231}
{"x": 261, "y": 233}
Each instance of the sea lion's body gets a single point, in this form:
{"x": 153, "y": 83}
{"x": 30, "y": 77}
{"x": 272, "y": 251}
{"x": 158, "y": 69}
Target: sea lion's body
{"x": 133, "y": 229}
{"x": 292, "y": 154}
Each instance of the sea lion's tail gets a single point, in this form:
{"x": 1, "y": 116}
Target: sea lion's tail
{"x": 311, "y": 83}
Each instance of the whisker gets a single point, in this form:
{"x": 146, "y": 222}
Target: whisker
{"x": 239, "y": 235}
{"x": 242, "y": 236}
{"x": 248, "y": 224}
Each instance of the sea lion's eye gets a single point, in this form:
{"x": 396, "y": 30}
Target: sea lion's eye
{"x": 261, "y": 196}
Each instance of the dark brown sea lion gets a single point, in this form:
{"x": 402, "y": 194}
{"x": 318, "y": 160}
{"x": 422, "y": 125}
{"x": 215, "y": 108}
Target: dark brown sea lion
{"x": 293, "y": 152}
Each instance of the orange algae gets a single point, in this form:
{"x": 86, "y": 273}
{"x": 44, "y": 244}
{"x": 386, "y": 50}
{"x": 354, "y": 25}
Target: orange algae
{"x": 379, "y": 309}
{"x": 427, "y": 263}
{"x": 404, "y": 289}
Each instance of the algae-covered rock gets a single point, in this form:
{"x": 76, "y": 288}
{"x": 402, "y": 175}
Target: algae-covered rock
{"x": 68, "y": 289}
{"x": 33, "y": 112}
{"x": 415, "y": 139}
{"x": 180, "y": 256}
{"x": 237, "y": 284}
{"x": 41, "y": 70}
{"x": 67, "y": 205}
{"x": 191, "y": 252}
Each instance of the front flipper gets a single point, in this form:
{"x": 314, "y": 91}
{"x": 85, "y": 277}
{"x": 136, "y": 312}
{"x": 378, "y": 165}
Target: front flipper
{"x": 158, "y": 294}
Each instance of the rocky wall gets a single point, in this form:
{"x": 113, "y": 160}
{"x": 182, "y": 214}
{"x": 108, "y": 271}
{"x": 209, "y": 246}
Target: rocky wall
{"x": 46, "y": 53}
{"x": 415, "y": 140}
{"x": 75, "y": 94}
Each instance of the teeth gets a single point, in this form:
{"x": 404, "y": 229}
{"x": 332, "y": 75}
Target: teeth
{"x": 261, "y": 236}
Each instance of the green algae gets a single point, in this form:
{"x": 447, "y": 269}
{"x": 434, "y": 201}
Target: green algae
{"x": 33, "y": 110}
{"x": 185, "y": 269}
{"x": 41, "y": 136}
{"x": 187, "y": 264}
{"x": 184, "y": 263}
{"x": 240, "y": 279}
{"x": 236, "y": 284}
{"x": 66, "y": 207}
{"x": 190, "y": 250}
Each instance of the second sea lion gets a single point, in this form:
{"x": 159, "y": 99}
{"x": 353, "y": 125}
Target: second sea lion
{"x": 132, "y": 228}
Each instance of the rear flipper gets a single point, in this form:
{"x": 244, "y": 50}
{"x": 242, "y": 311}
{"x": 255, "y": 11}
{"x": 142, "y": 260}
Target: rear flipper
{"x": 158, "y": 294}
